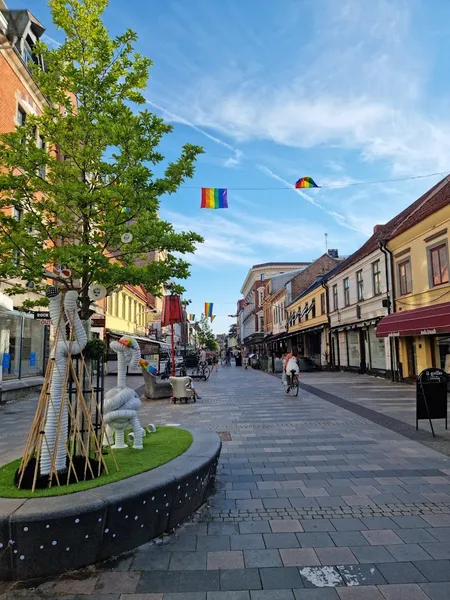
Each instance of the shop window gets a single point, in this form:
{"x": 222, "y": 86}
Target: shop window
{"x": 346, "y": 292}
{"x": 404, "y": 277}
{"x": 360, "y": 285}
{"x": 438, "y": 265}
{"x": 335, "y": 297}
{"x": 376, "y": 278}
{"x": 322, "y": 303}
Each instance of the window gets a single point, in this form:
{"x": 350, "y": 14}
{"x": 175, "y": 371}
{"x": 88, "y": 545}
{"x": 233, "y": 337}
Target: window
{"x": 313, "y": 309}
{"x": 404, "y": 277}
{"x": 439, "y": 265}
{"x": 306, "y": 312}
{"x": 17, "y": 214}
{"x": 322, "y": 303}
{"x": 263, "y": 276}
{"x": 360, "y": 285}
{"x": 346, "y": 292}
{"x": 376, "y": 278}
{"x": 261, "y": 296}
{"x": 21, "y": 116}
{"x": 335, "y": 297}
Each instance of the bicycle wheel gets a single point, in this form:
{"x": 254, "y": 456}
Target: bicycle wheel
{"x": 295, "y": 386}
{"x": 206, "y": 373}
{"x": 196, "y": 372}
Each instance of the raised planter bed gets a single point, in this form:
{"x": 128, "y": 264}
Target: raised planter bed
{"x": 57, "y": 534}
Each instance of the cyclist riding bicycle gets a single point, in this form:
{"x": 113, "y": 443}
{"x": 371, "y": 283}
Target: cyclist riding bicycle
{"x": 290, "y": 366}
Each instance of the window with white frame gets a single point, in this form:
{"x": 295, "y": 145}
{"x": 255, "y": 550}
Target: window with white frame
{"x": 346, "y": 291}
{"x": 376, "y": 278}
{"x": 360, "y": 285}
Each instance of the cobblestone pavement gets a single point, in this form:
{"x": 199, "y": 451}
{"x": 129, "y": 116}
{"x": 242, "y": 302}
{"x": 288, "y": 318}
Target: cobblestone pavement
{"x": 314, "y": 502}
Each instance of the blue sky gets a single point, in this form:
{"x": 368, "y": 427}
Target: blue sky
{"x": 342, "y": 91}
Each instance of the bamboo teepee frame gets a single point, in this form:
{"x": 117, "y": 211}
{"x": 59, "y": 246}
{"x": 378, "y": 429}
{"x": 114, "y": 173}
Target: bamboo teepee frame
{"x": 88, "y": 440}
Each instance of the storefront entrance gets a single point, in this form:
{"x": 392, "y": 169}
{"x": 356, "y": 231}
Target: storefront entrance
{"x": 410, "y": 347}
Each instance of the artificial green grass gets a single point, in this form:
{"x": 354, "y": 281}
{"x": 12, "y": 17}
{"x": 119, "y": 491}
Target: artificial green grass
{"x": 159, "y": 448}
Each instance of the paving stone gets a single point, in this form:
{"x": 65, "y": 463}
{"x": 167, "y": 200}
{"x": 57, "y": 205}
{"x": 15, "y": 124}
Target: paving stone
{"x": 372, "y": 554}
{"x": 281, "y": 540}
{"x": 434, "y": 570}
{"x": 316, "y": 594}
{"x": 348, "y": 524}
{"x": 240, "y": 595}
{"x": 158, "y": 581}
{"x": 184, "y": 543}
{"x": 406, "y": 522}
{"x": 223, "y": 528}
{"x": 198, "y": 581}
{"x": 442, "y": 534}
{"x": 438, "y": 550}
{"x": 360, "y": 593}
{"x": 349, "y": 538}
{"x": 335, "y": 556}
{"x": 70, "y": 585}
{"x": 382, "y": 537}
{"x": 213, "y": 543}
{"x": 272, "y": 595}
{"x": 415, "y": 536}
{"x": 154, "y": 561}
{"x": 317, "y": 525}
{"x": 136, "y": 597}
{"x": 254, "y": 527}
{"x": 315, "y": 540}
{"x": 436, "y": 591}
{"x": 277, "y": 578}
{"x": 410, "y": 591}
{"x": 321, "y": 577}
{"x": 189, "y": 561}
{"x": 286, "y": 526}
{"x": 299, "y": 557}
{"x": 240, "y": 579}
{"x": 183, "y": 596}
{"x": 361, "y": 574}
{"x": 401, "y": 572}
{"x": 225, "y": 560}
{"x": 262, "y": 558}
{"x": 250, "y": 541}
{"x": 408, "y": 552}
{"x": 437, "y": 520}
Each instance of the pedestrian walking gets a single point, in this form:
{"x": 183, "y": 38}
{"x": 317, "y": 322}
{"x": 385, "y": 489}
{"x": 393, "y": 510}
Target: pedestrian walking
{"x": 228, "y": 357}
{"x": 215, "y": 362}
{"x": 245, "y": 358}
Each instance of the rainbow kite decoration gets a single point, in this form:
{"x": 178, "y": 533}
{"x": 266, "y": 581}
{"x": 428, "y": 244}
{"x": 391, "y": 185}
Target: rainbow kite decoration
{"x": 306, "y": 182}
{"x": 208, "y": 309}
{"x": 214, "y": 198}
{"x": 147, "y": 366}
{"x": 191, "y": 317}
{"x": 212, "y": 318}
{"x": 129, "y": 342}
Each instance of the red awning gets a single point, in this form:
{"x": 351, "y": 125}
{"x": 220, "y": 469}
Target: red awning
{"x": 421, "y": 321}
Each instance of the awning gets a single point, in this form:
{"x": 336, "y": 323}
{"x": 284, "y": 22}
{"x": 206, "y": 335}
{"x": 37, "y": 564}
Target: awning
{"x": 420, "y": 321}
{"x": 359, "y": 325}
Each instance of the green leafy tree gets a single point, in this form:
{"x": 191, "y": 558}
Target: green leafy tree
{"x": 205, "y": 335}
{"x": 101, "y": 174}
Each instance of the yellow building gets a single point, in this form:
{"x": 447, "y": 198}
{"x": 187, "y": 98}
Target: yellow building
{"x": 420, "y": 264}
{"x": 127, "y": 311}
{"x": 308, "y": 318}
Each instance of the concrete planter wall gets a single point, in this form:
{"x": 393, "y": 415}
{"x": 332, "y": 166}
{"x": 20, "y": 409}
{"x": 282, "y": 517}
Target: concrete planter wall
{"x": 53, "y": 535}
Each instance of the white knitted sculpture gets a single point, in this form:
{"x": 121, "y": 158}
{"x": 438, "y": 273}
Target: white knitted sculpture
{"x": 63, "y": 347}
{"x": 122, "y": 403}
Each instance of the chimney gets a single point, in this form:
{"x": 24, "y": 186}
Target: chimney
{"x": 377, "y": 228}
{"x": 333, "y": 252}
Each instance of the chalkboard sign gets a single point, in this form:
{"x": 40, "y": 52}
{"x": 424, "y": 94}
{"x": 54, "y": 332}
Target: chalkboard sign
{"x": 431, "y": 396}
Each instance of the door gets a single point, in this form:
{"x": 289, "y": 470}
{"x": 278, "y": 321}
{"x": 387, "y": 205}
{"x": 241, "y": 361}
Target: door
{"x": 411, "y": 355}
{"x": 362, "y": 351}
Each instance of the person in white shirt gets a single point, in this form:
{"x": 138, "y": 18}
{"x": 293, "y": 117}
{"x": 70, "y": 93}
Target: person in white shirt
{"x": 203, "y": 356}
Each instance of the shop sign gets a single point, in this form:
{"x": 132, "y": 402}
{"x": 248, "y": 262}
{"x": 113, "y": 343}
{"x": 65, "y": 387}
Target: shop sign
{"x": 428, "y": 332}
{"x": 98, "y": 322}
{"x": 41, "y": 314}
{"x": 46, "y": 322}
{"x": 394, "y": 334}
{"x": 431, "y": 396}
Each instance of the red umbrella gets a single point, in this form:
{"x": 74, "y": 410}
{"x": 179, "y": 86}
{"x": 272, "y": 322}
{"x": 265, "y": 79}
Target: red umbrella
{"x": 171, "y": 313}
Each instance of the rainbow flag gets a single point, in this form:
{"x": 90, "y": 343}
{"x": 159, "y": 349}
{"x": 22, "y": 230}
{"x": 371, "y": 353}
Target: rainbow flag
{"x": 191, "y": 317}
{"x": 212, "y": 318}
{"x": 214, "y": 198}
{"x": 306, "y": 182}
{"x": 208, "y": 309}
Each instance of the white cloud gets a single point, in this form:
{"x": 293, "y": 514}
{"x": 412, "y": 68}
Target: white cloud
{"x": 243, "y": 239}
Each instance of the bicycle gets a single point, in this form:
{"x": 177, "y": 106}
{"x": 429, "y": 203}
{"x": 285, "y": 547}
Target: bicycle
{"x": 201, "y": 371}
{"x": 293, "y": 383}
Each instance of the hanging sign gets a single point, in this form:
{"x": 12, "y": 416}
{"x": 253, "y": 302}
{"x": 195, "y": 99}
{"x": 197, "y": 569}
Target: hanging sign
{"x": 97, "y": 291}
{"x": 41, "y": 314}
